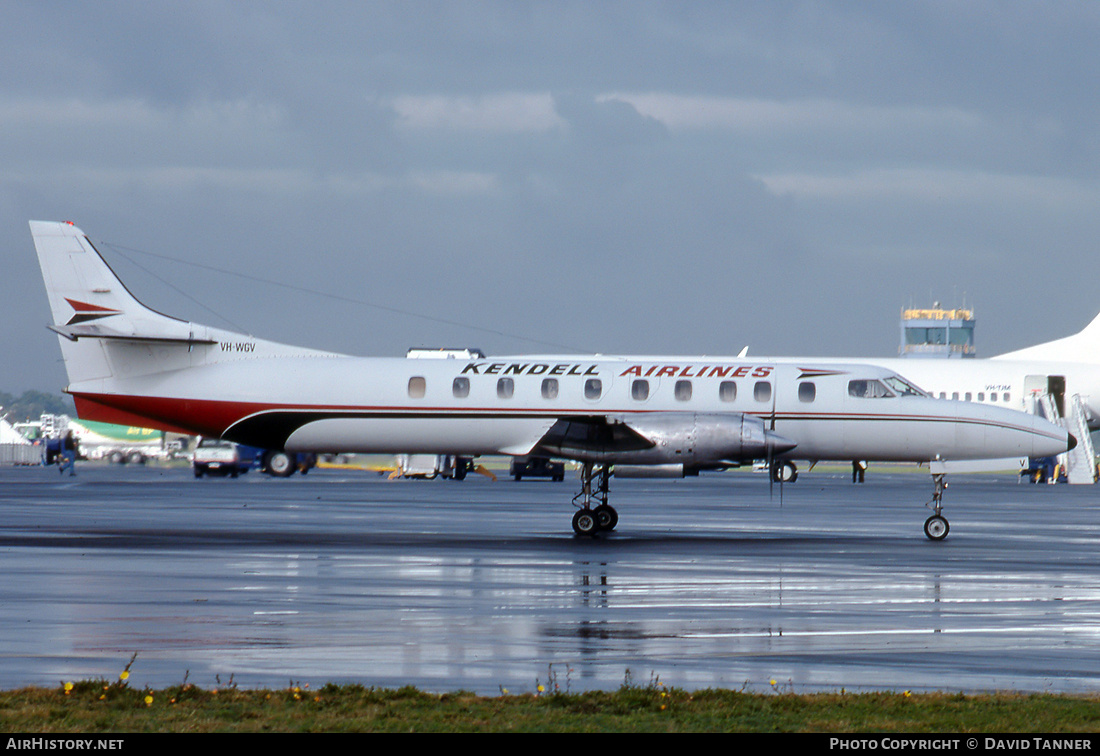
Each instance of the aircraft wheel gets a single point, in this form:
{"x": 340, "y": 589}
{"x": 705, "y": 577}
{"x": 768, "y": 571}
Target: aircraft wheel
{"x": 936, "y": 528}
{"x": 280, "y": 464}
{"x": 784, "y": 472}
{"x": 606, "y": 517}
{"x": 585, "y": 522}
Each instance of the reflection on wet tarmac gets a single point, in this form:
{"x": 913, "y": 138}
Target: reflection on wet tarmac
{"x": 708, "y": 582}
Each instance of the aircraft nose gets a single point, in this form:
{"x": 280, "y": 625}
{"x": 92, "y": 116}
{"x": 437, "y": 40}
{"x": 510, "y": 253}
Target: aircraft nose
{"x": 1008, "y": 433}
{"x": 1049, "y": 441}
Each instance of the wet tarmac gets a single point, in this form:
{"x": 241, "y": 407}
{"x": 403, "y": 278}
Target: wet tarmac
{"x": 719, "y": 581}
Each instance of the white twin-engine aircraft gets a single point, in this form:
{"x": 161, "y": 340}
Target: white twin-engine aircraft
{"x": 673, "y": 416}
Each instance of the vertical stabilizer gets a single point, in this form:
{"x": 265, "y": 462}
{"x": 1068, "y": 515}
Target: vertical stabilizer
{"x": 1083, "y": 346}
{"x": 86, "y": 297}
{"x": 105, "y": 332}
{"x": 89, "y": 303}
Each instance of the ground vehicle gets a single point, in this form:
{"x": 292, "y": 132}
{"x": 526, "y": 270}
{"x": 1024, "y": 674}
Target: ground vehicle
{"x": 428, "y": 466}
{"x": 216, "y": 457}
{"x": 283, "y": 464}
{"x": 118, "y": 444}
{"x": 537, "y": 467}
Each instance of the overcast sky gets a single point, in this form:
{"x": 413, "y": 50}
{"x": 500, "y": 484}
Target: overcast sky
{"x": 558, "y": 176}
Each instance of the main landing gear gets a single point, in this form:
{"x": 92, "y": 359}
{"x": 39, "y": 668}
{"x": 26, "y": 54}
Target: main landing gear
{"x": 783, "y": 471}
{"x": 589, "y": 520}
{"x": 936, "y": 526}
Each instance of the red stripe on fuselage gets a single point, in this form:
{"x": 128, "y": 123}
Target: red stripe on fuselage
{"x": 189, "y": 416}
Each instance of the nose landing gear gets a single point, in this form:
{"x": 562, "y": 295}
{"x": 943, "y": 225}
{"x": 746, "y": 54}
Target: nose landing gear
{"x": 936, "y": 527}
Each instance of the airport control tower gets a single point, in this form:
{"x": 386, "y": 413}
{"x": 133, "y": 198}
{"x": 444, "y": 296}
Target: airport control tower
{"x": 937, "y": 332}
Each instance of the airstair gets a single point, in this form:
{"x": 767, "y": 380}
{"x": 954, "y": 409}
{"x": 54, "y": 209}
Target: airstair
{"x": 1079, "y": 462}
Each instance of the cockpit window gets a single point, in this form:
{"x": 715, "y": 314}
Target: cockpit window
{"x": 902, "y": 387}
{"x": 868, "y": 389}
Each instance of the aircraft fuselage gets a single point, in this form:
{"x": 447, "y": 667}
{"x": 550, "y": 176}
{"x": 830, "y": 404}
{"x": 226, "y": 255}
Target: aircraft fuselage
{"x": 506, "y": 406}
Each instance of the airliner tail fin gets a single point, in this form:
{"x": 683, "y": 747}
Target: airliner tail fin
{"x": 1083, "y": 346}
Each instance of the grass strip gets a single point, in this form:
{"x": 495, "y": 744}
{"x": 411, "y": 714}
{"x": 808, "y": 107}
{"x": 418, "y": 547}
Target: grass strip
{"x": 101, "y": 706}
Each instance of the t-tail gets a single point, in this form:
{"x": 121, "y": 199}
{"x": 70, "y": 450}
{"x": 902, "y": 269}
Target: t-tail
{"x": 107, "y": 335}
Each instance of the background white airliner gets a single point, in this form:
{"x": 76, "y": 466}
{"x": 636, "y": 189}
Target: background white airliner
{"x": 129, "y": 364}
{"x": 1058, "y": 379}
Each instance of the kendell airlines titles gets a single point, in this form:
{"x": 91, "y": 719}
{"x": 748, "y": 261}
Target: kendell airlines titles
{"x": 638, "y": 370}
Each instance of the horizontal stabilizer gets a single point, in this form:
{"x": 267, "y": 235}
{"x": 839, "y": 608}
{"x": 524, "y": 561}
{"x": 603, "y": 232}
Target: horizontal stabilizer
{"x": 96, "y": 331}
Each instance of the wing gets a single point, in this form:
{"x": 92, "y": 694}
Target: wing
{"x": 661, "y": 438}
{"x": 592, "y": 436}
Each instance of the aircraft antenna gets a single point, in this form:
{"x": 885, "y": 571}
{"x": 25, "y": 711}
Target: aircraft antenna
{"x": 170, "y": 285}
{"x": 117, "y": 248}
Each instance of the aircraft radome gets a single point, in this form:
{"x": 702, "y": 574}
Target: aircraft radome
{"x": 129, "y": 364}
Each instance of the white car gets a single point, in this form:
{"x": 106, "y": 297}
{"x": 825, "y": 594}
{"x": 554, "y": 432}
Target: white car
{"x": 216, "y": 457}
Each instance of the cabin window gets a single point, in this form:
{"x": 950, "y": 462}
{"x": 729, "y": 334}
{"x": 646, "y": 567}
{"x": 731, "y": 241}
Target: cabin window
{"x": 981, "y": 396}
{"x": 549, "y": 388}
{"x": 683, "y": 391}
{"x": 993, "y": 396}
{"x": 505, "y": 388}
{"x": 807, "y": 391}
{"x": 968, "y": 396}
{"x": 461, "y": 387}
{"x": 762, "y": 391}
{"x": 417, "y": 387}
{"x": 955, "y": 395}
{"x": 593, "y": 388}
{"x": 943, "y": 395}
{"x": 639, "y": 390}
{"x": 1006, "y": 396}
{"x": 727, "y": 391}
